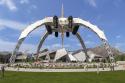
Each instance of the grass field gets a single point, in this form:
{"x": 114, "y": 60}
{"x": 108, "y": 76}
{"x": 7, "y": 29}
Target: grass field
{"x": 75, "y": 77}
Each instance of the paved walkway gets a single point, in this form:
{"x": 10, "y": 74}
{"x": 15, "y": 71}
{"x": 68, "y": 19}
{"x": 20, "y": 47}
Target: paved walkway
{"x": 120, "y": 67}
{"x": 62, "y": 70}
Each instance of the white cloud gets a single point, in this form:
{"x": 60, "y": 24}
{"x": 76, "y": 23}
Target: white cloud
{"x": 92, "y": 3}
{"x": 31, "y": 8}
{"x": 120, "y": 46}
{"x": 34, "y": 7}
{"x": 87, "y": 43}
{"x": 24, "y": 1}
{"x": 56, "y": 46}
{"x": 15, "y": 25}
{"x": 1, "y": 27}
{"x": 118, "y": 36}
{"x": 9, "y": 46}
{"x": 9, "y": 4}
{"x": 38, "y": 32}
{"x": 12, "y": 24}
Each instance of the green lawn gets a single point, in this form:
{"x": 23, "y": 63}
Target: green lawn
{"x": 25, "y": 77}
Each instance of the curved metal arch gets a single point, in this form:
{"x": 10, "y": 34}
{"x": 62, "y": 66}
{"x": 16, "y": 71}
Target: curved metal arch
{"x": 90, "y": 26}
{"x": 41, "y": 43}
{"x": 77, "y": 35}
{"x": 26, "y": 32}
{"x": 37, "y": 24}
{"x": 100, "y": 34}
{"x": 83, "y": 45}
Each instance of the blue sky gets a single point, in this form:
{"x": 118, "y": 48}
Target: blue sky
{"x": 15, "y": 15}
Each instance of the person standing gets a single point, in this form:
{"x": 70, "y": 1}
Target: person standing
{"x": 2, "y": 70}
{"x": 98, "y": 68}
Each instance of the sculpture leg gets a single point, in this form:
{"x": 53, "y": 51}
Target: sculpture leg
{"x": 83, "y": 45}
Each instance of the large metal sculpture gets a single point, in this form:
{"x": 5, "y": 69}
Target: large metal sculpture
{"x": 62, "y": 25}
